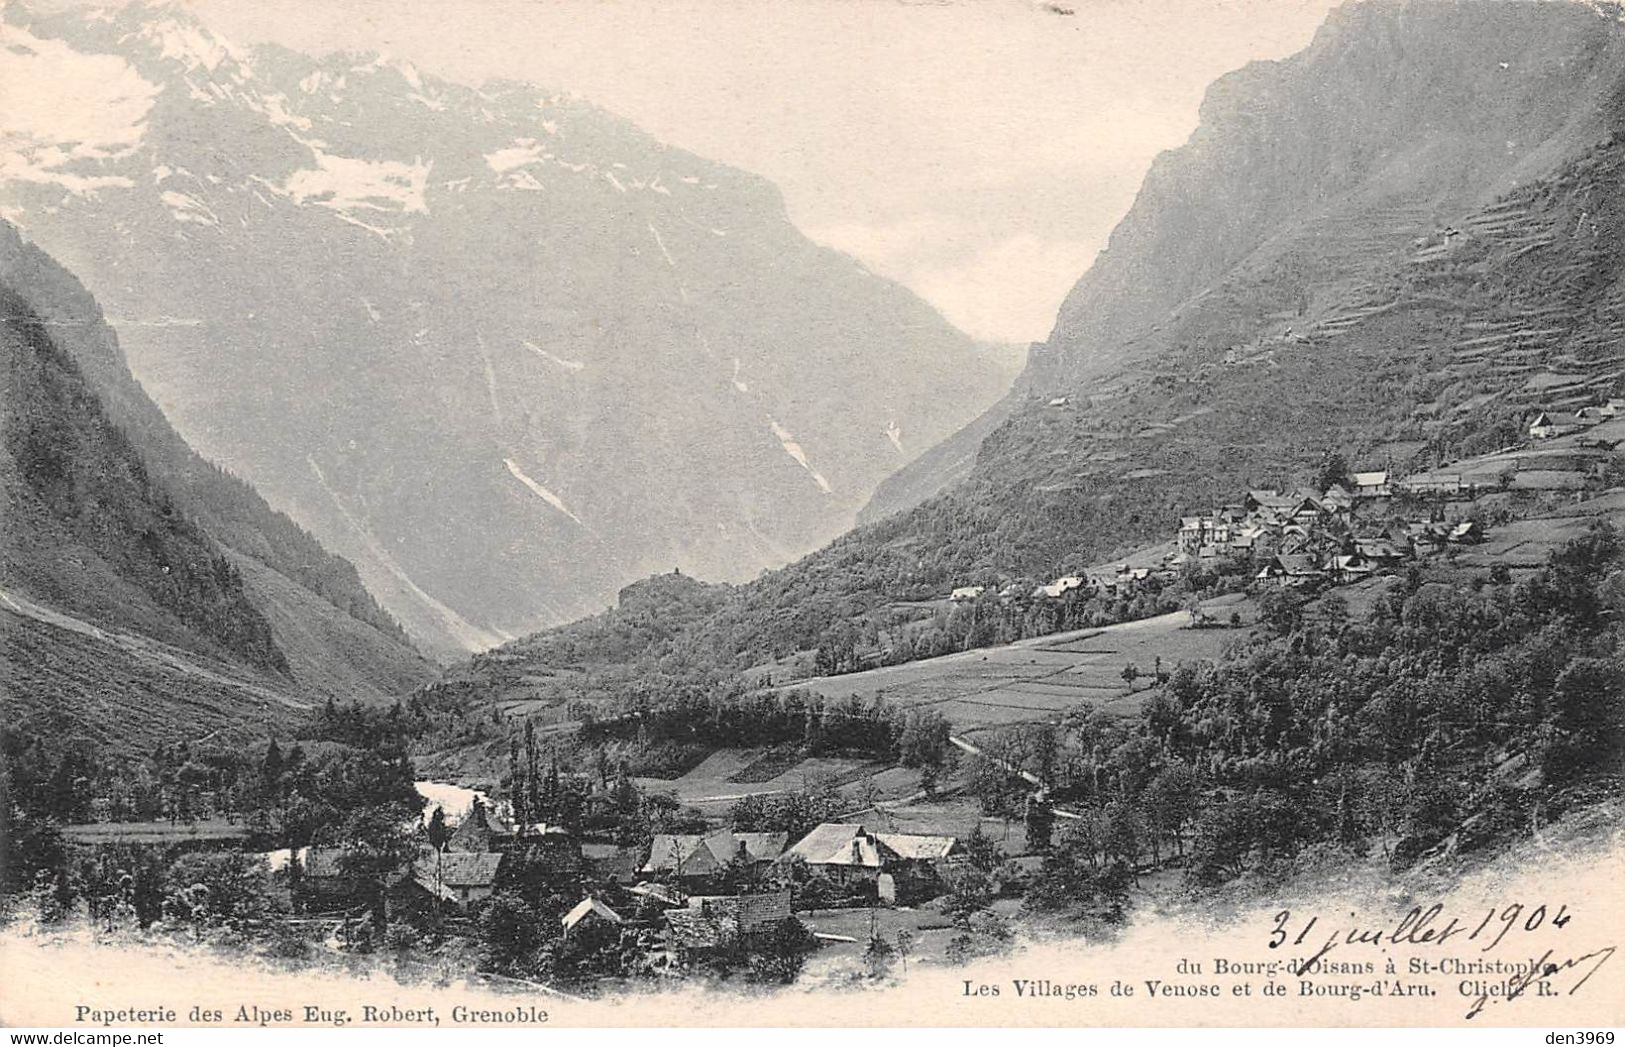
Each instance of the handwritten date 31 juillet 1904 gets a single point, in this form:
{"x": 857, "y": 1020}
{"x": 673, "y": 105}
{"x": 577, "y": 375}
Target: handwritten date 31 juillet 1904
{"x": 1501, "y": 930}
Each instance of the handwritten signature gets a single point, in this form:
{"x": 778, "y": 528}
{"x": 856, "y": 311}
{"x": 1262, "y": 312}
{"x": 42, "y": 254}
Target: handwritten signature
{"x": 1540, "y": 970}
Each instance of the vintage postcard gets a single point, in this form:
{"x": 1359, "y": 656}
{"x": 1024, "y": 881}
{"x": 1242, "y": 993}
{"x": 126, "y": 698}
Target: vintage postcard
{"x": 547, "y": 513}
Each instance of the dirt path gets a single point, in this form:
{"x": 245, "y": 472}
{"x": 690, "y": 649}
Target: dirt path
{"x": 144, "y": 648}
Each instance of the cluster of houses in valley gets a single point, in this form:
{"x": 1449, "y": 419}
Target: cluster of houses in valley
{"x": 691, "y": 894}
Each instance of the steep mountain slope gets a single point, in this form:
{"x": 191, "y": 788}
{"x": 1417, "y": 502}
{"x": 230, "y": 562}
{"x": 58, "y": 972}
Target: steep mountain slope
{"x": 500, "y": 349}
{"x": 1411, "y": 310}
{"x": 137, "y": 576}
{"x": 87, "y": 529}
{"x": 1307, "y": 173}
{"x": 1305, "y": 190}
{"x": 1404, "y": 236}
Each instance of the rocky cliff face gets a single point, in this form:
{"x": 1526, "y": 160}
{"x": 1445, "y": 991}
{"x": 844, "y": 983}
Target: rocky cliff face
{"x": 499, "y": 348}
{"x": 1308, "y": 173}
{"x": 1297, "y": 209}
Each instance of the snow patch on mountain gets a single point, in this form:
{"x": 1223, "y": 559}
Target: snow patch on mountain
{"x": 186, "y": 208}
{"x": 66, "y": 113}
{"x": 568, "y": 365}
{"x": 490, "y": 377}
{"x": 895, "y": 435}
{"x": 184, "y": 41}
{"x": 660, "y": 243}
{"x": 793, "y": 449}
{"x": 523, "y": 151}
{"x": 539, "y": 491}
{"x": 346, "y": 184}
{"x": 275, "y": 109}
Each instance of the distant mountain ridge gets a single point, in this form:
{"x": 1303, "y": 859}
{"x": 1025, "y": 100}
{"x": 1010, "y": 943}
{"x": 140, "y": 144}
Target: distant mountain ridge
{"x": 499, "y": 348}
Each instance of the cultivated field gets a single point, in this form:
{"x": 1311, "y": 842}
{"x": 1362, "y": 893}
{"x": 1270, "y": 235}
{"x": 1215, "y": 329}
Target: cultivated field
{"x": 1527, "y": 543}
{"x": 1042, "y": 678}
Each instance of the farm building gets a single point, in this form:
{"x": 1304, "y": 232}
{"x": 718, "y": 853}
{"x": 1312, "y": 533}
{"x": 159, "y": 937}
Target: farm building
{"x": 1371, "y": 485}
{"x": 589, "y": 914}
{"x": 894, "y": 862}
{"x": 688, "y": 857}
{"x": 458, "y": 877}
{"x": 1548, "y": 424}
{"x": 712, "y": 922}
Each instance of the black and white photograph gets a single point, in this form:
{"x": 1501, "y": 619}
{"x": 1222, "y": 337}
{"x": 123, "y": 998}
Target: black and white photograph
{"x": 528, "y": 514}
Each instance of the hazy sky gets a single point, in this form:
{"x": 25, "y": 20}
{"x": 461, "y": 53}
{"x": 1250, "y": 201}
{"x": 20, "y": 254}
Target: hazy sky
{"x": 979, "y": 151}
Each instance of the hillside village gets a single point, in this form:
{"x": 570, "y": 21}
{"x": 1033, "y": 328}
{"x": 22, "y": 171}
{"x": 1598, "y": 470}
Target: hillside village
{"x": 1361, "y": 524}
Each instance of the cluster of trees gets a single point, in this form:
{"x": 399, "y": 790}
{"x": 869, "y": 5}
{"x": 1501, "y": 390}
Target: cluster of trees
{"x": 347, "y": 783}
{"x": 73, "y": 779}
{"x": 700, "y": 722}
{"x": 1451, "y": 715}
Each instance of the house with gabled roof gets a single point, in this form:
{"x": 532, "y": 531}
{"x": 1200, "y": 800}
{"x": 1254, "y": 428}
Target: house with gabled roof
{"x": 590, "y": 913}
{"x": 894, "y": 862}
{"x": 691, "y": 857}
{"x": 1351, "y": 567}
{"x": 1467, "y": 532}
{"x": 1261, "y": 501}
{"x": 1337, "y": 499}
{"x": 479, "y": 831}
{"x": 1305, "y": 509}
{"x": 1433, "y": 483}
{"x": 712, "y": 922}
{"x": 1290, "y": 569}
{"x": 1060, "y": 587}
{"x": 747, "y": 912}
{"x": 1424, "y": 539}
{"x": 460, "y": 878}
{"x": 1379, "y": 550}
{"x": 1548, "y": 424}
{"x": 1371, "y": 484}
{"x": 1246, "y": 539}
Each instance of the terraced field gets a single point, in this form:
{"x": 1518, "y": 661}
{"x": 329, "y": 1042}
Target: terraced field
{"x": 1043, "y": 678}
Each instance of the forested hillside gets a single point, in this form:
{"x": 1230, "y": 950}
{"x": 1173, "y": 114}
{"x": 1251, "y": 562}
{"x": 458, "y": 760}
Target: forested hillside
{"x": 233, "y": 512}
{"x": 87, "y": 529}
{"x": 151, "y": 595}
